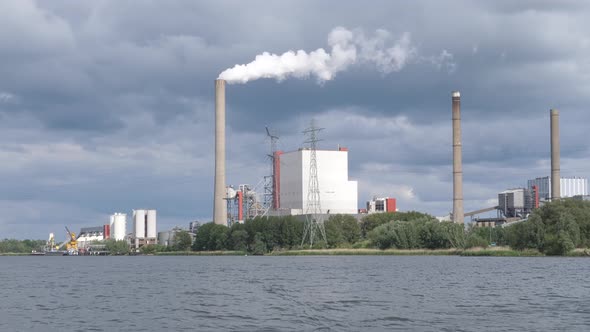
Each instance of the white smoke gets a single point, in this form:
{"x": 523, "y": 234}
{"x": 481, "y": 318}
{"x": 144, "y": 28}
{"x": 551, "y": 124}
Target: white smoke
{"x": 346, "y": 48}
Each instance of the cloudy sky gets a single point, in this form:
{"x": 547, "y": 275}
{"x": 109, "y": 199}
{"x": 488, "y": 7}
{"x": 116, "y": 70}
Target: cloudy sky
{"x": 107, "y": 106}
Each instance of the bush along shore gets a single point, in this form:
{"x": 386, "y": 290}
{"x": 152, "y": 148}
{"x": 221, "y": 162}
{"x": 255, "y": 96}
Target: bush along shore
{"x": 560, "y": 228}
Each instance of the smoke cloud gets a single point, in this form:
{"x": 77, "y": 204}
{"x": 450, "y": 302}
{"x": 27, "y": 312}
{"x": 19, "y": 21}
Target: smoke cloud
{"x": 347, "y": 48}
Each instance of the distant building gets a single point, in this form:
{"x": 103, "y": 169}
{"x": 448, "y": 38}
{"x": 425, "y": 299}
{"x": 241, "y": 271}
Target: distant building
{"x": 514, "y": 203}
{"x": 144, "y": 228}
{"x": 88, "y": 235}
{"x": 385, "y": 204}
{"x": 117, "y": 227}
{"x": 193, "y": 226}
{"x": 338, "y": 195}
{"x": 569, "y": 187}
{"x": 167, "y": 238}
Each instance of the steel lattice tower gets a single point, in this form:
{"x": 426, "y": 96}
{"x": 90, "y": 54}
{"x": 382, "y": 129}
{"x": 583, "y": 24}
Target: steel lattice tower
{"x": 314, "y": 222}
{"x": 269, "y": 180}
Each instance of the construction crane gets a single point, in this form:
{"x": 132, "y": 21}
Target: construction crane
{"x": 72, "y": 244}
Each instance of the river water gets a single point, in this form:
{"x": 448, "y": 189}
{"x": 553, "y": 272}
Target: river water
{"x": 305, "y": 293}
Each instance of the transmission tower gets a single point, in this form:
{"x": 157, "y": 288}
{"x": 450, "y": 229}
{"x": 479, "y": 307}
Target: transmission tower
{"x": 269, "y": 180}
{"x": 314, "y": 222}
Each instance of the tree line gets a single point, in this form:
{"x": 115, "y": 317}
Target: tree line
{"x": 554, "y": 229}
{"x": 20, "y": 246}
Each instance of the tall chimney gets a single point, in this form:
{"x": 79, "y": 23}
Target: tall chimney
{"x": 219, "y": 193}
{"x": 457, "y": 163}
{"x": 555, "y": 173}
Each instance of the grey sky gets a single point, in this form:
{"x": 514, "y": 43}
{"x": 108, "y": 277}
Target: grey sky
{"x": 106, "y": 106}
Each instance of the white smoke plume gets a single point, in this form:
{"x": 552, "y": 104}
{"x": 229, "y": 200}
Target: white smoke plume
{"x": 346, "y": 48}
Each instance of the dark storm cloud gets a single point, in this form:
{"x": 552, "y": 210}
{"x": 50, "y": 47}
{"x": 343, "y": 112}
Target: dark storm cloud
{"x": 107, "y": 106}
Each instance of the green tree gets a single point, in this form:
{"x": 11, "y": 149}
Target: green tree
{"x": 210, "y": 237}
{"x": 342, "y": 230}
{"x": 117, "y": 247}
{"x": 151, "y": 249}
{"x": 374, "y": 220}
{"x": 259, "y": 245}
{"x": 182, "y": 241}
{"x": 238, "y": 237}
{"x": 555, "y": 229}
{"x": 20, "y": 246}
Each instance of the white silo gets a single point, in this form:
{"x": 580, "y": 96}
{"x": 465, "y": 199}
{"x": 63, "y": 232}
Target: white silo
{"x": 151, "y": 224}
{"x": 139, "y": 223}
{"x": 118, "y": 226}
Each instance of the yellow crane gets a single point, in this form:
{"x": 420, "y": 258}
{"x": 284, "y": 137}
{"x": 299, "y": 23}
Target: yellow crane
{"x": 71, "y": 244}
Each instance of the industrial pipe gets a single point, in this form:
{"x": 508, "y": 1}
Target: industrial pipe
{"x": 458, "y": 213}
{"x": 555, "y": 171}
{"x": 219, "y": 193}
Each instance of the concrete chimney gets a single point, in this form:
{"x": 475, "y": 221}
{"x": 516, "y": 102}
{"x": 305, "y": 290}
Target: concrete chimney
{"x": 457, "y": 161}
{"x": 219, "y": 193}
{"x": 555, "y": 172}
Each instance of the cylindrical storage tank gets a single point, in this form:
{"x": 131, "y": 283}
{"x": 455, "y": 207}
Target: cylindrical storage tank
{"x": 106, "y": 231}
{"x": 163, "y": 238}
{"x": 112, "y": 220}
{"x": 119, "y": 226}
{"x": 151, "y": 224}
{"x": 139, "y": 224}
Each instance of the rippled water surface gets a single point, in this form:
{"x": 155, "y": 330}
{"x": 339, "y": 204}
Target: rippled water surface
{"x": 355, "y": 293}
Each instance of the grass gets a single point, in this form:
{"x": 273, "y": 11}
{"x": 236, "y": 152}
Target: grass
{"x": 492, "y": 251}
{"x": 504, "y": 252}
{"x": 360, "y": 252}
{"x": 201, "y": 253}
{"x": 579, "y": 252}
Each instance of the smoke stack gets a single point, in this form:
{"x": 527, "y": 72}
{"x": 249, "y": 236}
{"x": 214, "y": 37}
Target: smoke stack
{"x": 457, "y": 163}
{"x": 219, "y": 193}
{"x": 555, "y": 172}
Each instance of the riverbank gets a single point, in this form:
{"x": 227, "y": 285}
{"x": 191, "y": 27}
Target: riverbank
{"x": 201, "y": 253}
{"x": 473, "y": 252}
{"x": 492, "y": 251}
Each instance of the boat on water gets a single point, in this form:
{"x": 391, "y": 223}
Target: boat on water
{"x": 50, "y": 253}
{"x": 56, "y": 253}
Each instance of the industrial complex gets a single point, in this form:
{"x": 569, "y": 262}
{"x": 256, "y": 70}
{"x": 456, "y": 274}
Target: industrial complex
{"x": 315, "y": 183}
{"x": 312, "y": 184}
{"x": 90, "y": 240}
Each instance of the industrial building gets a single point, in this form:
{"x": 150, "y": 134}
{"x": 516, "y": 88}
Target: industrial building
{"x": 89, "y": 235}
{"x": 167, "y": 238}
{"x": 385, "y": 204}
{"x": 516, "y": 203}
{"x": 144, "y": 228}
{"x": 569, "y": 187}
{"x": 117, "y": 229}
{"x": 338, "y": 195}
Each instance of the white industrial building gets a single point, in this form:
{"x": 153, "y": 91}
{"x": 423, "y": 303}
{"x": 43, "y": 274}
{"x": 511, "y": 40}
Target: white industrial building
{"x": 384, "y": 204}
{"x": 338, "y": 195}
{"x": 118, "y": 226}
{"x": 144, "y": 227}
{"x": 569, "y": 187}
{"x": 89, "y": 235}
